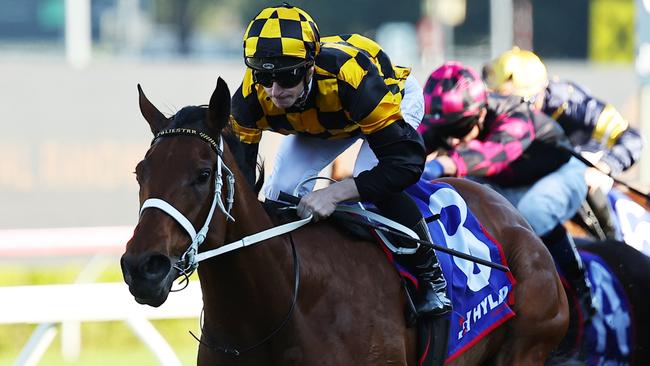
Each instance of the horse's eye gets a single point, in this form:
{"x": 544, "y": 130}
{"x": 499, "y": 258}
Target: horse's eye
{"x": 138, "y": 171}
{"x": 204, "y": 176}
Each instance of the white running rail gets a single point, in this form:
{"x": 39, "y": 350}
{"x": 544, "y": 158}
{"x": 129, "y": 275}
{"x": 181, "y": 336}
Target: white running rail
{"x": 71, "y": 304}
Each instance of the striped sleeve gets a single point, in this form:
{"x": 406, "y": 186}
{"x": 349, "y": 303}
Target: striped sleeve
{"x": 247, "y": 114}
{"x": 364, "y": 93}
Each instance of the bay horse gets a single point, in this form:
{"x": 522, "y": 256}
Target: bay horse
{"x": 351, "y": 305}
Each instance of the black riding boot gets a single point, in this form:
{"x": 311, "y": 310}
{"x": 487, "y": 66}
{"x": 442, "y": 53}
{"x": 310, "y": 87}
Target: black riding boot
{"x": 564, "y": 252}
{"x": 433, "y": 300}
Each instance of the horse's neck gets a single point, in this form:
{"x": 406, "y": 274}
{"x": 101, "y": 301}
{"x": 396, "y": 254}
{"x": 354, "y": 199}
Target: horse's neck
{"x": 239, "y": 287}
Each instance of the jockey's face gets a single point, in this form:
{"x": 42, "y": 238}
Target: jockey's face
{"x": 286, "y": 97}
{"x": 454, "y": 142}
{"x": 538, "y": 101}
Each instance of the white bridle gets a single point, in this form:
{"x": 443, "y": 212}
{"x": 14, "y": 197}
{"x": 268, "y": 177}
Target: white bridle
{"x": 188, "y": 261}
{"x": 191, "y": 258}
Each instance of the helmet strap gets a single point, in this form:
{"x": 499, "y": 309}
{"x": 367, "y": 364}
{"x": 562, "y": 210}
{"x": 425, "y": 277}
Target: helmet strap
{"x": 302, "y": 99}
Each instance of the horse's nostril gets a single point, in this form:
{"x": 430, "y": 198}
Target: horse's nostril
{"x": 126, "y": 262}
{"x": 155, "y": 266}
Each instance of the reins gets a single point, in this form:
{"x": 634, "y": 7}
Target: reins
{"x": 287, "y": 317}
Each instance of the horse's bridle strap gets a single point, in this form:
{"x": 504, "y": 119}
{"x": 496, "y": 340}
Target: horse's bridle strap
{"x": 253, "y": 239}
{"x": 171, "y": 211}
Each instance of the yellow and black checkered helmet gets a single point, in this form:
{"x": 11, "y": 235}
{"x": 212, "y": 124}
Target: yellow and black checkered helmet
{"x": 281, "y": 37}
{"x": 523, "y": 68}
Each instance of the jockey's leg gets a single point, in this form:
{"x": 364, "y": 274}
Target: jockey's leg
{"x": 564, "y": 251}
{"x": 299, "y": 158}
{"x": 555, "y": 198}
{"x": 546, "y": 205}
{"x": 433, "y": 300}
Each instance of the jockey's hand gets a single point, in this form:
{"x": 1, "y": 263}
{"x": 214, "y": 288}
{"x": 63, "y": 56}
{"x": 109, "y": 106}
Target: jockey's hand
{"x": 322, "y": 203}
{"x": 596, "y": 179}
{"x": 448, "y": 166}
{"x": 432, "y": 170}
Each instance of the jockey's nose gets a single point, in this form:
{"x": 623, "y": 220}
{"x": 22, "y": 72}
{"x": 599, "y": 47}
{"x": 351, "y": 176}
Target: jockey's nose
{"x": 453, "y": 141}
{"x": 276, "y": 90}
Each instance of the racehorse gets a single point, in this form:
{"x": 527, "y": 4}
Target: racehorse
{"x": 350, "y": 308}
{"x": 617, "y": 333}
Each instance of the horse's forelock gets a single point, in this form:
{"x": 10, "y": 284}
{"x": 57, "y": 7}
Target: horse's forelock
{"x": 190, "y": 117}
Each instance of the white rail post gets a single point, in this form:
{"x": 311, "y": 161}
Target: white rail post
{"x": 154, "y": 341}
{"x": 37, "y": 344}
{"x": 501, "y": 26}
{"x": 643, "y": 71}
{"x": 78, "y": 37}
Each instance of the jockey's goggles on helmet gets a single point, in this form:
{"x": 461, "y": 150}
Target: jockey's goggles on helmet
{"x": 288, "y": 78}
{"x": 459, "y": 129}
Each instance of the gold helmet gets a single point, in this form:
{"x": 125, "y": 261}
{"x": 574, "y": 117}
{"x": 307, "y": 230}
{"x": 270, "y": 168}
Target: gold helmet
{"x": 522, "y": 68}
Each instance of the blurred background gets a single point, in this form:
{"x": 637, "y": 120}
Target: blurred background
{"x": 72, "y": 131}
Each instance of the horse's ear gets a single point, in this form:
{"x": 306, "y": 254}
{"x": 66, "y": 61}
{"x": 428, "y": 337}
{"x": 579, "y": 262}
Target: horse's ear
{"x": 219, "y": 111}
{"x": 157, "y": 121}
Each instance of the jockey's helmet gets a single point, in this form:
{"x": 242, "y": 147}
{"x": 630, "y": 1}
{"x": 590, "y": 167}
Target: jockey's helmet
{"x": 454, "y": 97}
{"x": 280, "y": 43}
{"x": 524, "y": 69}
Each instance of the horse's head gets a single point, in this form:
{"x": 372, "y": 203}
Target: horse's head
{"x": 178, "y": 178}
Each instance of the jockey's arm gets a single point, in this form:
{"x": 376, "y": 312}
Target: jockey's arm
{"x": 504, "y": 143}
{"x": 400, "y": 152}
{"x": 575, "y": 108}
{"x": 625, "y": 152}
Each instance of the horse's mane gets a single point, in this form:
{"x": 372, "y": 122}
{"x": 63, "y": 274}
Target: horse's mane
{"x": 237, "y": 150}
{"x": 194, "y": 116}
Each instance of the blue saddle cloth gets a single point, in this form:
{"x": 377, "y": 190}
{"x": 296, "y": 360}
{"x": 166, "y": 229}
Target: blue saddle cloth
{"x": 482, "y": 296}
{"x": 632, "y": 221}
{"x": 608, "y": 336}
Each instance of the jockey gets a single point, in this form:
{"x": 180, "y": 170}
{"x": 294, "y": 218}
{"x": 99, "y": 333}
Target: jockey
{"x": 325, "y": 94}
{"x": 593, "y": 126}
{"x": 500, "y": 141}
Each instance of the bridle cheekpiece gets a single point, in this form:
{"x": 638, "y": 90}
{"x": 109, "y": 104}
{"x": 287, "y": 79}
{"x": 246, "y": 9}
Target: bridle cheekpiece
{"x": 188, "y": 261}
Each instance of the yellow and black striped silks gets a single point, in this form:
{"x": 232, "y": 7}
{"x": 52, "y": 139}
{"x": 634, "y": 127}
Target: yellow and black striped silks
{"x": 282, "y": 31}
{"x": 355, "y": 89}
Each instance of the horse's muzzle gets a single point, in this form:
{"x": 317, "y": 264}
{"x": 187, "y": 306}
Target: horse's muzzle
{"x": 149, "y": 277}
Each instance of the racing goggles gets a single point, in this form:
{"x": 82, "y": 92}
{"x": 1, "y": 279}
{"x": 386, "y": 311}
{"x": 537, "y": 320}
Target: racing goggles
{"x": 459, "y": 129}
{"x": 287, "y": 78}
